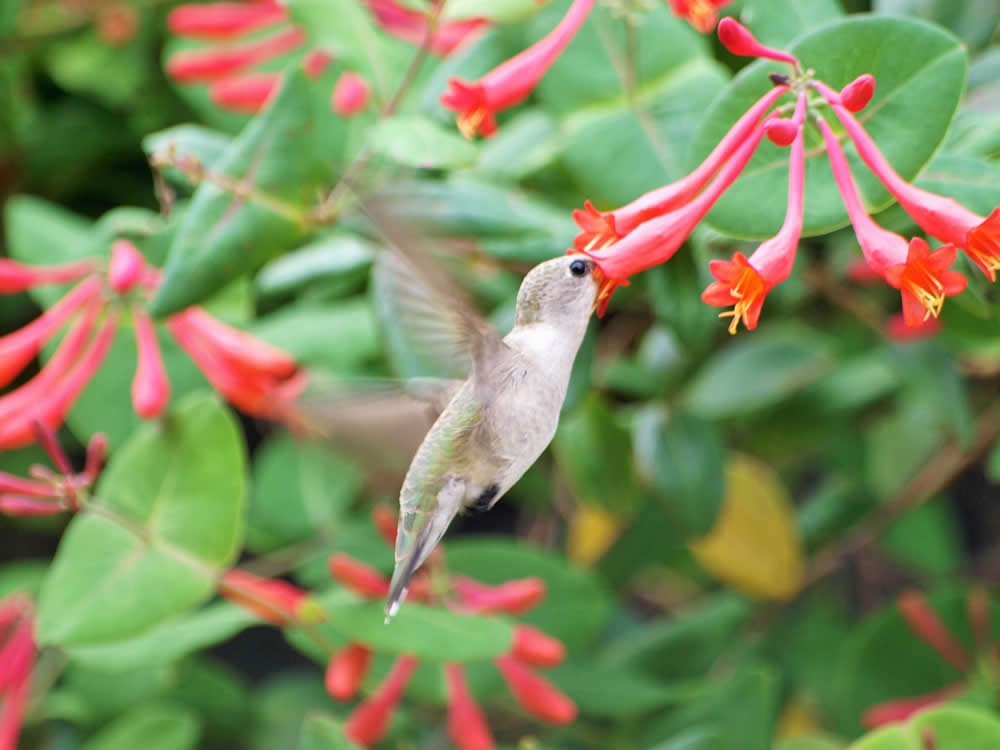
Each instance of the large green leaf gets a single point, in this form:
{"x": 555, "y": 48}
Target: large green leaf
{"x": 777, "y": 22}
{"x": 283, "y": 154}
{"x": 167, "y": 516}
{"x": 950, "y": 727}
{"x": 975, "y": 21}
{"x": 152, "y": 727}
{"x": 320, "y": 732}
{"x": 418, "y": 141}
{"x": 914, "y": 63}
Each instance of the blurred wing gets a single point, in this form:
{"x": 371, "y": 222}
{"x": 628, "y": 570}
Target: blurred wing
{"x": 425, "y": 314}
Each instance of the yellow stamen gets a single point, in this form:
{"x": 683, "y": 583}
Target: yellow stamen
{"x": 468, "y": 125}
{"x": 928, "y": 290}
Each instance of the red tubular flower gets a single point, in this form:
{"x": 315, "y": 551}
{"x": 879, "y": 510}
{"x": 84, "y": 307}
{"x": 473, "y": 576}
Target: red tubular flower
{"x": 927, "y": 626}
{"x": 350, "y": 95}
{"x": 315, "y": 62}
{"x": 511, "y": 82}
{"x": 240, "y": 348}
{"x": 897, "y": 329}
{"x": 940, "y": 217}
{"x": 599, "y": 229}
{"x": 346, "y": 671}
{"x": 901, "y": 709}
{"x": 223, "y": 20}
{"x": 17, "y": 349}
{"x": 368, "y": 722}
{"x": 702, "y": 14}
{"x": 246, "y": 93}
{"x": 745, "y": 283}
{"x": 534, "y": 693}
{"x": 512, "y": 597}
{"x": 362, "y": 579}
{"x": 17, "y": 277}
{"x": 212, "y": 63}
{"x": 655, "y": 241}
{"x": 920, "y": 275}
{"x": 126, "y": 267}
{"x": 738, "y": 39}
{"x": 532, "y": 646}
{"x": 17, "y": 662}
{"x": 150, "y": 386}
{"x": 276, "y": 601}
{"x": 27, "y": 507}
{"x": 466, "y": 724}
{"x": 856, "y": 95}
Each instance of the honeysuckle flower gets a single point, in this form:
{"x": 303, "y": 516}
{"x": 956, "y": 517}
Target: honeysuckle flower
{"x": 922, "y": 276}
{"x": 17, "y": 662}
{"x": 898, "y": 329}
{"x": 744, "y": 283}
{"x": 655, "y": 241}
{"x": 248, "y": 93}
{"x": 350, "y": 95}
{"x": 738, "y": 39}
{"x": 49, "y": 492}
{"x": 209, "y": 64}
{"x": 258, "y": 378}
{"x": 856, "y": 95}
{"x": 927, "y": 626}
{"x": 943, "y": 218}
{"x": 477, "y": 102}
{"x": 531, "y": 647}
{"x": 224, "y": 20}
{"x": 598, "y": 229}
{"x": 702, "y": 14}
{"x": 412, "y": 26}
{"x": 273, "y": 600}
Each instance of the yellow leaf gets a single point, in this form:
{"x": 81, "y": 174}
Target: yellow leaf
{"x": 592, "y": 531}
{"x": 754, "y": 546}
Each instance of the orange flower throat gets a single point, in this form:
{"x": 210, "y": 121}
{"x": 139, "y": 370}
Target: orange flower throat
{"x": 749, "y": 292}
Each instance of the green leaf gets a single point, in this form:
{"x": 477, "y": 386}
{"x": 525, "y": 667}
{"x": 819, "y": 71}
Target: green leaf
{"x": 170, "y": 641}
{"x": 25, "y": 576}
{"x": 759, "y": 371}
{"x": 927, "y": 539}
{"x": 914, "y": 63}
{"x": 153, "y": 727}
{"x": 682, "y": 458}
{"x": 418, "y": 141}
{"x": 300, "y": 489}
{"x": 972, "y": 181}
{"x": 607, "y": 692}
{"x": 427, "y": 633}
{"x": 775, "y": 23}
{"x": 334, "y": 261}
{"x": 975, "y": 21}
{"x": 284, "y": 155}
{"x": 166, "y": 518}
{"x": 590, "y": 431}
{"x": 320, "y": 732}
{"x": 809, "y": 743}
{"x": 952, "y": 728}
{"x": 499, "y": 11}
{"x": 204, "y": 144}
{"x": 993, "y": 465}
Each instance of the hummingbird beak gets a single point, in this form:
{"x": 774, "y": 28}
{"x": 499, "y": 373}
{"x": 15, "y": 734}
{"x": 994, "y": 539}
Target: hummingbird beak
{"x": 605, "y": 288}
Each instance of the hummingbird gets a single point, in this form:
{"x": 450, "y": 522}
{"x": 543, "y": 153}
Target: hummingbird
{"x": 496, "y": 422}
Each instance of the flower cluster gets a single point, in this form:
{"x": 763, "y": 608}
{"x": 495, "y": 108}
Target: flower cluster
{"x": 925, "y": 624}
{"x": 240, "y": 37}
{"x": 17, "y": 661}
{"x": 649, "y": 230}
{"x": 49, "y": 492}
{"x": 466, "y": 722}
{"x": 252, "y": 375}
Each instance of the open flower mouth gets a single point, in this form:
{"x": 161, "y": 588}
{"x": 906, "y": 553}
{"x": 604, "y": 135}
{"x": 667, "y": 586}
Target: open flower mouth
{"x": 605, "y": 288}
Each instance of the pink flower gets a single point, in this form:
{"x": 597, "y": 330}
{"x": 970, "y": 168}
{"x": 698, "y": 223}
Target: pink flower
{"x": 346, "y": 671}
{"x": 943, "y": 218}
{"x": 225, "y": 19}
{"x": 412, "y": 26}
{"x": 535, "y": 694}
{"x": 270, "y": 599}
{"x": 921, "y": 276}
{"x": 600, "y": 229}
{"x": 368, "y": 723}
{"x": 17, "y": 662}
{"x": 745, "y": 283}
{"x": 740, "y": 41}
{"x": 510, "y": 83}
{"x": 467, "y": 726}
{"x": 212, "y": 63}
{"x": 247, "y": 93}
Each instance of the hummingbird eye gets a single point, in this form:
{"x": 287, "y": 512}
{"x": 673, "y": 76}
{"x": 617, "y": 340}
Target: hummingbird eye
{"x": 579, "y": 267}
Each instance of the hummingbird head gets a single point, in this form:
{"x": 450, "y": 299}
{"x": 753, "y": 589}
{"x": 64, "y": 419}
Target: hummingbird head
{"x": 559, "y": 291}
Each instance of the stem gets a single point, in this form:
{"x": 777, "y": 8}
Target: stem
{"x": 327, "y": 210}
{"x": 935, "y": 475}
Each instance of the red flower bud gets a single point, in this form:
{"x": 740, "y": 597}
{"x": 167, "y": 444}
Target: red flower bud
{"x": 126, "y": 267}
{"x": 856, "y": 95}
{"x": 315, "y": 62}
{"x": 782, "y": 132}
{"x": 536, "y": 648}
{"x": 350, "y": 95}
{"x": 513, "y": 597}
{"x": 929, "y": 628}
{"x": 535, "y": 694}
{"x": 358, "y": 577}
{"x": 368, "y": 722}
{"x": 466, "y": 724}
{"x": 150, "y": 386}
{"x": 246, "y": 93}
{"x": 737, "y": 39}
{"x": 17, "y": 277}
{"x": 223, "y": 20}
{"x": 346, "y": 671}
{"x": 243, "y": 350}
{"x": 275, "y": 601}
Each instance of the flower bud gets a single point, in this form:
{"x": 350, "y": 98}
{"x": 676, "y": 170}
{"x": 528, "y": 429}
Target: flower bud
{"x": 246, "y": 93}
{"x": 466, "y": 724}
{"x": 223, "y": 20}
{"x": 350, "y": 95}
{"x": 358, "y": 577}
{"x": 150, "y": 386}
{"x": 737, "y": 39}
{"x": 370, "y": 720}
{"x": 856, "y": 95}
{"x": 346, "y": 671}
{"x": 270, "y": 599}
{"x": 535, "y": 694}
{"x": 536, "y": 648}
{"x": 782, "y": 132}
